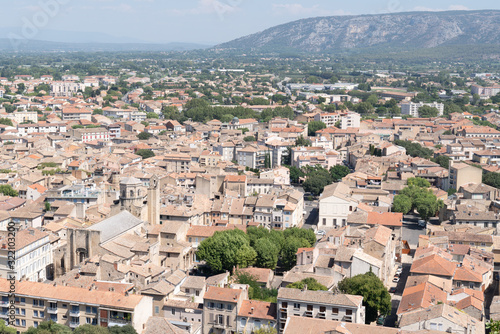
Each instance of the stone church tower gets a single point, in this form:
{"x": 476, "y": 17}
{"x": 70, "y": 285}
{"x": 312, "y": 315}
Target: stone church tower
{"x": 133, "y": 197}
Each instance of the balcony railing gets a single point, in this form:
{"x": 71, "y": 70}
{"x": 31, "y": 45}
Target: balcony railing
{"x": 52, "y": 310}
{"x": 74, "y": 324}
{"x": 118, "y": 322}
{"x": 74, "y": 313}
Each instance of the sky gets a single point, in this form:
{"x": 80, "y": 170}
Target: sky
{"x": 194, "y": 21}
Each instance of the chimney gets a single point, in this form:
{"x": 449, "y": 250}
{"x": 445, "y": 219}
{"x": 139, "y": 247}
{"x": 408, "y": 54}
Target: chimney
{"x": 115, "y": 265}
{"x": 305, "y": 287}
{"x": 251, "y": 310}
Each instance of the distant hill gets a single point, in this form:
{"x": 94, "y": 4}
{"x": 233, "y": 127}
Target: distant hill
{"x": 7, "y": 45}
{"x": 403, "y": 31}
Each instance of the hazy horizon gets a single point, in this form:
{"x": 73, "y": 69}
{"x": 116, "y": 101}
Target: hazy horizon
{"x": 207, "y": 22}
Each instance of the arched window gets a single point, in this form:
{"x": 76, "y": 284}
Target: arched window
{"x": 131, "y": 193}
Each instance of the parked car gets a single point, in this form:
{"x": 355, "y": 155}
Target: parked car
{"x": 395, "y": 279}
{"x": 393, "y": 290}
{"x": 399, "y": 271}
{"x": 422, "y": 223}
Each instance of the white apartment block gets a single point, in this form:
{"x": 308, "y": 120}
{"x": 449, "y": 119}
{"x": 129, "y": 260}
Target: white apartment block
{"x": 33, "y": 255}
{"x": 68, "y": 89}
{"x": 412, "y": 108}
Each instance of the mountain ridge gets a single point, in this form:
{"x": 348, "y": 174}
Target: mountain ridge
{"x": 412, "y": 30}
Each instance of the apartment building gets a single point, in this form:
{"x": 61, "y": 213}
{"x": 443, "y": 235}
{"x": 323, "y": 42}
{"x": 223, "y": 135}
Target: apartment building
{"x": 319, "y": 304}
{"x": 412, "y": 108}
{"x": 90, "y": 134}
{"x": 66, "y": 88}
{"x": 75, "y": 114}
{"x": 221, "y": 307}
{"x": 462, "y": 174}
{"x": 33, "y": 255}
{"x": 177, "y": 163}
{"x": 485, "y": 91}
{"x": 71, "y": 306}
{"x": 254, "y": 156}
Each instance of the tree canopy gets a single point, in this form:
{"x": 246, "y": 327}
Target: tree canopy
{"x": 427, "y": 112}
{"x": 315, "y": 126}
{"x": 417, "y": 196}
{"x": 226, "y": 250}
{"x": 492, "y": 179}
{"x": 376, "y": 298}
{"x": 311, "y": 283}
{"x": 144, "y": 153}
{"x": 144, "y": 135}
{"x": 415, "y": 149}
{"x": 260, "y": 246}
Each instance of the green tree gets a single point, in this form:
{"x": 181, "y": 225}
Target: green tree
{"x": 7, "y": 190}
{"x": 265, "y": 330}
{"x": 493, "y": 326}
{"x": 267, "y": 253}
{"x": 97, "y": 112}
{"x": 338, "y": 172}
{"x": 249, "y": 139}
{"x": 376, "y": 298}
{"x": 49, "y": 327}
{"x": 402, "y": 203}
{"x": 145, "y": 154}
{"x": 47, "y": 206}
{"x": 426, "y": 112}
{"x": 289, "y": 251}
{"x": 442, "y": 160}
{"x": 315, "y": 126}
{"x": 295, "y": 174}
{"x": 422, "y": 199}
{"x": 144, "y": 135}
{"x": 301, "y": 141}
{"x": 300, "y": 233}
{"x": 6, "y": 121}
{"x": 152, "y": 115}
{"x": 127, "y": 329}
{"x": 492, "y": 179}
{"x": 90, "y": 329}
{"x": 6, "y": 329}
{"x": 452, "y": 191}
{"x": 311, "y": 283}
{"x": 418, "y": 182}
{"x": 226, "y": 249}
{"x": 267, "y": 161}
{"x": 316, "y": 181}
{"x": 256, "y": 291}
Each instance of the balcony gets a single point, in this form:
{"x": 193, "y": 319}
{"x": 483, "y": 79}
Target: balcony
{"x": 4, "y": 314}
{"x": 52, "y": 310}
{"x": 74, "y": 324}
{"x": 118, "y": 322}
{"x": 74, "y": 313}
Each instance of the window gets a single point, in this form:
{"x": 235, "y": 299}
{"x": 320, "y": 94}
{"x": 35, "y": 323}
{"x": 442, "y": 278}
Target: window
{"x": 296, "y": 306}
{"x": 284, "y": 305}
{"x": 42, "y": 314}
{"x": 220, "y": 306}
{"x": 35, "y": 324}
{"x": 322, "y": 309}
{"x": 324, "y": 221}
{"x": 335, "y": 310}
{"x": 35, "y": 314}
{"x": 89, "y": 320}
{"x": 157, "y": 309}
{"x": 309, "y": 307}
{"x": 220, "y": 319}
{"x": 229, "y": 307}
{"x": 197, "y": 293}
{"x": 348, "y": 312}
{"x": 173, "y": 311}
